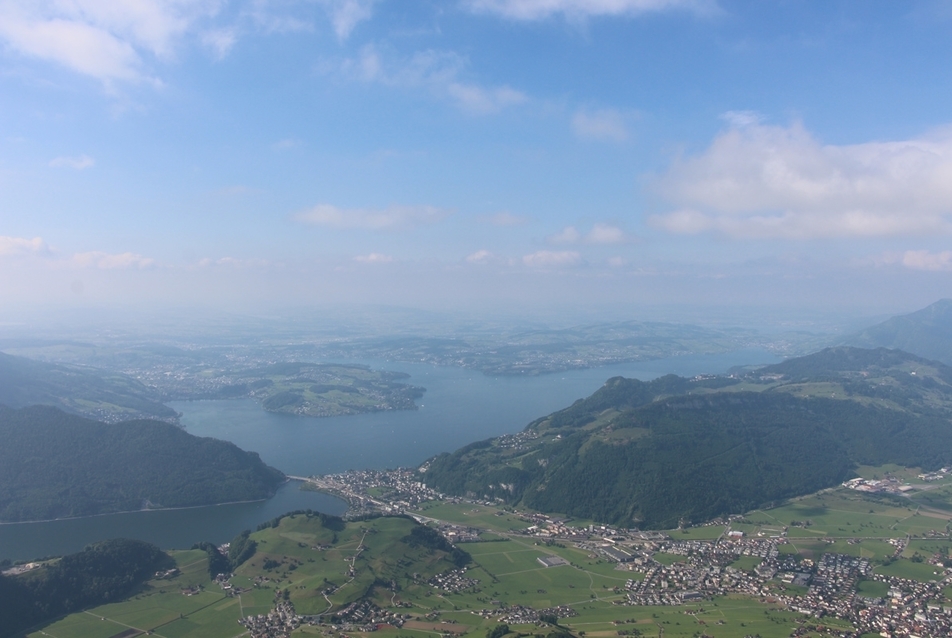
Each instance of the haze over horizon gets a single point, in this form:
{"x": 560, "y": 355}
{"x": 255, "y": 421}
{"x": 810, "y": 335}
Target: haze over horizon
{"x": 524, "y": 157}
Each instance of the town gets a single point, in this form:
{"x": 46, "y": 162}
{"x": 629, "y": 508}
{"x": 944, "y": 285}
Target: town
{"x": 668, "y": 571}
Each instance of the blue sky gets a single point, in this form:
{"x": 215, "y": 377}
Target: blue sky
{"x": 518, "y": 155}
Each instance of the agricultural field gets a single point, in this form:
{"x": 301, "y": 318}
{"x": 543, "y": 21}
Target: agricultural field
{"x": 487, "y": 517}
{"x": 309, "y": 389}
{"x": 321, "y": 568}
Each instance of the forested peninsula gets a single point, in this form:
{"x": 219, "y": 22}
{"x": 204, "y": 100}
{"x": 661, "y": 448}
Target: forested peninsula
{"x": 59, "y": 465}
{"x": 677, "y": 451}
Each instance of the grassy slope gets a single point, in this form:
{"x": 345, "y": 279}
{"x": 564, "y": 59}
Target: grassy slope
{"x": 508, "y": 571}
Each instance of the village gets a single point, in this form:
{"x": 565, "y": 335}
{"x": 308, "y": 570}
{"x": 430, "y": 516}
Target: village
{"x": 823, "y": 588}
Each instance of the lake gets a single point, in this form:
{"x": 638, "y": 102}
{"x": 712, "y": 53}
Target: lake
{"x": 459, "y": 407}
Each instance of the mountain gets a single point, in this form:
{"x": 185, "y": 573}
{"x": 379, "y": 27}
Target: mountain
{"x": 54, "y": 465}
{"x": 81, "y": 390}
{"x": 673, "y": 450}
{"x": 926, "y": 332}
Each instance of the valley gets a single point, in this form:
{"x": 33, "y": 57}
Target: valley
{"x": 839, "y": 562}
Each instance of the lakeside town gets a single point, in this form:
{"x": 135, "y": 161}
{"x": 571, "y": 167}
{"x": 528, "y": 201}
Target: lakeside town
{"x": 669, "y": 571}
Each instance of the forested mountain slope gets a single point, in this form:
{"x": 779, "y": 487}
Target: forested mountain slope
{"x": 81, "y": 390}
{"x": 54, "y": 464}
{"x": 926, "y": 332}
{"x": 675, "y": 450}
{"x": 103, "y": 572}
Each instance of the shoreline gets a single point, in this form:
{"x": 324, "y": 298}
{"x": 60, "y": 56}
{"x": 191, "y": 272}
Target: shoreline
{"x": 140, "y": 511}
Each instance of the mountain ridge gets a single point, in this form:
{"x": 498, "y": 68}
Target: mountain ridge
{"x": 670, "y": 451}
{"x": 82, "y": 390}
{"x": 926, "y": 332}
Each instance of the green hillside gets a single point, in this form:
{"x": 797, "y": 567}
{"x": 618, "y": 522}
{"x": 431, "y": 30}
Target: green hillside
{"x": 93, "y": 393}
{"x": 319, "y": 564}
{"x": 313, "y": 389}
{"x": 54, "y": 464}
{"x": 332, "y": 563}
{"x": 674, "y": 450}
{"x": 101, "y": 573}
{"x": 926, "y": 332}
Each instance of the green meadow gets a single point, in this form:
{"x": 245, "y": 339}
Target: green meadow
{"x": 323, "y": 567}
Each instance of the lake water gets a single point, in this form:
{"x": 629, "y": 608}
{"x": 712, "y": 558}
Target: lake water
{"x": 459, "y": 407}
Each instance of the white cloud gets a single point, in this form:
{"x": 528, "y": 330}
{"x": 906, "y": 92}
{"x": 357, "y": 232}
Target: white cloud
{"x": 14, "y": 246}
{"x": 540, "y": 9}
{"x": 481, "y": 257}
{"x": 347, "y": 14}
{"x": 80, "y": 162}
{"x": 568, "y": 235}
{"x": 392, "y": 218}
{"x": 604, "y": 125}
{"x": 437, "y": 71}
{"x": 606, "y": 234}
{"x": 374, "y": 258}
{"x": 762, "y": 181}
{"x": 617, "y": 262}
{"x": 233, "y": 262}
{"x": 106, "y": 261}
{"x": 422, "y": 68}
{"x": 925, "y": 260}
{"x": 21, "y": 246}
{"x": 105, "y": 39}
{"x": 741, "y": 119}
{"x": 220, "y": 41}
{"x": 599, "y": 234}
{"x": 551, "y": 259}
{"x": 480, "y": 100}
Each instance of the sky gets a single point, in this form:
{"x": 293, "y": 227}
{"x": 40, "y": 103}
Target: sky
{"x": 522, "y": 156}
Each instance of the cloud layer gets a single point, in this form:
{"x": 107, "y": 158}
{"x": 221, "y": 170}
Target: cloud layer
{"x": 552, "y": 259}
{"x": 347, "y": 14}
{"x": 439, "y": 71}
{"x": 115, "y": 40}
{"x": 105, "y": 39}
{"x": 106, "y": 261}
{"x": 79, "y": 163}
{"x": 758, "y": 181}
{"x": 604, "y": 125}
{"x": 599, "y": 234}
{"x": 37, "y": 248}
{"x": 925, "y": 260}
{"x": 21, "y": 246}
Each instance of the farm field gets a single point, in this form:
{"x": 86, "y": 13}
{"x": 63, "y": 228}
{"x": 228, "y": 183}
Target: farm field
{"x": 302, "y": 557}
{"x": 323, "y": 567}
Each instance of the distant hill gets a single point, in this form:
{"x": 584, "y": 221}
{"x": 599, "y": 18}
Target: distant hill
{"x": 926, "y": 332}
{"x": 54, "y": 465}
{"x": 93, "y": 393}
{"x": 675, "y": 450}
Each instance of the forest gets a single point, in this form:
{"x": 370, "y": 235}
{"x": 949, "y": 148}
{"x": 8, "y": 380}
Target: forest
{"x": 99, "y": 394}
{"x": 58, "y": 465}
{"x": 678, "y": 451}
{"x": 101, "y": 573}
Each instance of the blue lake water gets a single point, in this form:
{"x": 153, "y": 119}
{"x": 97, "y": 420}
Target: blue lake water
{"x": 459, "y": 407}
